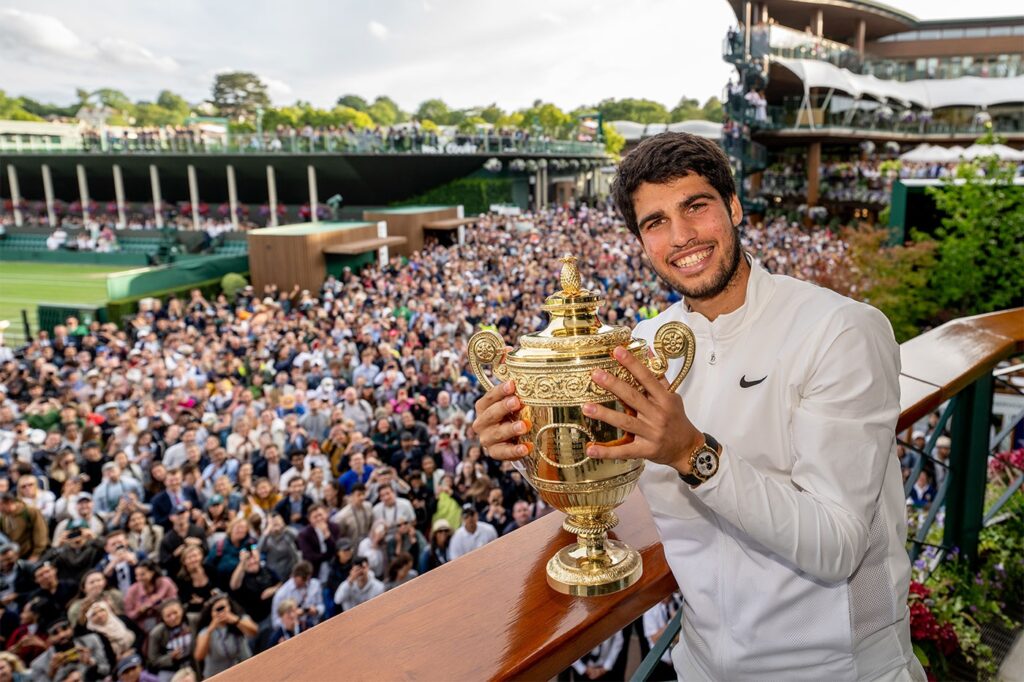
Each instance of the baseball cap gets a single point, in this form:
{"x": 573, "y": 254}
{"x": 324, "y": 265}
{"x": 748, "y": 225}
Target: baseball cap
{"x": 178, "y": 509}
{"x": 468, "y": 509}
{"x": 216, "y": 499}
{"x": 129, "y": 662}
{"x": 343, "y": 545}
{"x": 82, "y": 497}
{"x": 441, "y": 524}
{"x": 943, "y": 442}
{"x": 916, "y": 435}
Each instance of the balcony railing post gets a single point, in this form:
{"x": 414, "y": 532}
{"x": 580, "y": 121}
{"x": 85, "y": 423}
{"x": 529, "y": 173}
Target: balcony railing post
{"x": 965, "y": 502}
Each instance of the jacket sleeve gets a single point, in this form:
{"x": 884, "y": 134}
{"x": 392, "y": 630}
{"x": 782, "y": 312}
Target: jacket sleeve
{"x": 40, "y": 534}
{"x": 843, "y": 433}
{"x": 156, "y": 644}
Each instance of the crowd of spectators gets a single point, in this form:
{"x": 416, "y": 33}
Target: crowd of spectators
{"x": 857, "y": 181}
{"x": 223, "y": 474}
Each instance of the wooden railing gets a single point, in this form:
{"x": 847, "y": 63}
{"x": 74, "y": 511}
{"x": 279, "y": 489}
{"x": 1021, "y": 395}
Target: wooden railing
{"x": 491, "y": 615}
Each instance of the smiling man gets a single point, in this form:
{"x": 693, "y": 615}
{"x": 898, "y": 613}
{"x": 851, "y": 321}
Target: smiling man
{"x": 772, "y": 474}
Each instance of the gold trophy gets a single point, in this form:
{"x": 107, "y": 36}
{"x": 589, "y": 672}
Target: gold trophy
{"x": 552, "y": 370}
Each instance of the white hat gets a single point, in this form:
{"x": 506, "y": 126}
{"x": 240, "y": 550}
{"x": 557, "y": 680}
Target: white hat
{"x": 943, "y": 442}
{"x": 37, "y": 436}
{"x": 916, "y": 435}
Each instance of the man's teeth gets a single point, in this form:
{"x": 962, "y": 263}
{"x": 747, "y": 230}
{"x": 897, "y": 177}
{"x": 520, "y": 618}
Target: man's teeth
{"x": 692, "y": 259}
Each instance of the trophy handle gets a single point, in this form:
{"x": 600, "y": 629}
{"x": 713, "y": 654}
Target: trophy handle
{"x": 672, "y": 340}
{"x": 486, "y": 347}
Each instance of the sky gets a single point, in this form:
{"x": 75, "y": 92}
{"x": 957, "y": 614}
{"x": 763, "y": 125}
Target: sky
{"x": 467, "y": 52}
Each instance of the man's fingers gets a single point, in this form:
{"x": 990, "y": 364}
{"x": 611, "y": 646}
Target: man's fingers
{"x": 495, "y": 396}
{"x": 496, "y": 414}
{"x": 629, "y": 451}
{"x": 639, "y": 371}
{"x": 621, "y": 420}
{"x": 502, "y": 433}
{"x": 509, "y": 451}
{"x": 619, "y": 388}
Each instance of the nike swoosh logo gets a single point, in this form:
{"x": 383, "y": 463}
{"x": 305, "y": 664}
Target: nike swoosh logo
{"x": 747, "y": 384}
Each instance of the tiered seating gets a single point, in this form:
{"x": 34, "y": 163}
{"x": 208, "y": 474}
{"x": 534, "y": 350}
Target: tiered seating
{"x": 24, "y": 242}
{"x": 233, "y": 247}
{"x": 140, "y": 245}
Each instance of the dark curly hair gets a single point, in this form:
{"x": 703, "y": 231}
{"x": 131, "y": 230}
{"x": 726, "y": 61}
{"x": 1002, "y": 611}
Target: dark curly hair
{"x": 665, "y": 157}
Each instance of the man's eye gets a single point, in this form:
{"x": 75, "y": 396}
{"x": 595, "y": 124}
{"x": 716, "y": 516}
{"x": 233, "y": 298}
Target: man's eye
{"x": 697, "y": 208}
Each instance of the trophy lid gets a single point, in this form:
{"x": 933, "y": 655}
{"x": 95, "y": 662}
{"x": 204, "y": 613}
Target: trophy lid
{"x": 574, "y": 328}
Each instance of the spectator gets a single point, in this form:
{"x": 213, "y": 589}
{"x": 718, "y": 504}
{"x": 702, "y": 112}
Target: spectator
{"x": 289, "y": 618}
{"x": 401, "y": 570}
{"x": 223, "y": 554}
{"x": 194, "y": 584}
{"x": 83, "y": 653}
{"x": 151, "y": 588}
{"x": 437, "y": 553}
{"x": 23, "y": 525}
{"x": 223, "y": 635}
{"x": 522, "y": 514}
{"x": 305, "y": 591}
{"x": 101, "y": 619}
{"x": 361, "y": 586}
{"x": 171, "y": 643}
{"x": 279, "y": 546}
{"x": 472, "y": 534}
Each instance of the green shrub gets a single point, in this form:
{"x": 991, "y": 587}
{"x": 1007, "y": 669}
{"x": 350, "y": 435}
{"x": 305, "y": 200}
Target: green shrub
{"x": 232, "y": 283}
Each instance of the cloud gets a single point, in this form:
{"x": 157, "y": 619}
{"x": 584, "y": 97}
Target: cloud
{"x": 33, "y": 35}
{"x": 276, "y": 88}
{"x": 31, "y": 31}
{"x": 552, "y": 18}
{"x": 378, "y": 30}
{"x": 127, "y": 53}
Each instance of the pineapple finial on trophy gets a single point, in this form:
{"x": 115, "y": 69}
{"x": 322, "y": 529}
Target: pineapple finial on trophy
{"x": 570, "y": 277}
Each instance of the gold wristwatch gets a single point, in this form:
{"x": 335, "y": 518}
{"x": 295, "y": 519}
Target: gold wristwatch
{"x": 703, "y": 462}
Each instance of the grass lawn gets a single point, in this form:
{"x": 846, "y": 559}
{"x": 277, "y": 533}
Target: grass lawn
{"x": 25, "y": 285}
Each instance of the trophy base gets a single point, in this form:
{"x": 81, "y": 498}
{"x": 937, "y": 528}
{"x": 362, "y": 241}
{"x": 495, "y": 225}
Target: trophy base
{"x": 572, "y": 572}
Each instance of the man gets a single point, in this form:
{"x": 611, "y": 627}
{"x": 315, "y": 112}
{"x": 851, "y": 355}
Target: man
{"x": 295, "y": 506}
{"x": 181, "y": 535}
{"x": 84, "y": 653}
{"x": 786, "y": 528}
{"x": 79, "y": 551}
{"x": 943, "y": 446}
{"x": 522, "y": 514}
{"x": 360, "y": 586}
{"x": 472, "y": 534}
{"x": 357, "y": 410}
{"x": 129, "y": 668}
{"x": 120, "y": 561}
{"x": 24, "y": 526}
{"x": 393, "y": 509}
{"x": 305, "y": 590}
{"x": 252, "y": 585}
{"x": 316, "y": 541}
{"x": 220, "y": 465}
{"x": 355, "y": 518}
{"x": 34, "y": 496}
{"x": 174, "y": 494}
{"x": 85, "y": 512}
{"x": 269, "y": 466}
{"x": 52, "y": 594}
{"x": 108, "y": 494}
{"x": 359, "y": 472}
{"x": 16, "y": 579}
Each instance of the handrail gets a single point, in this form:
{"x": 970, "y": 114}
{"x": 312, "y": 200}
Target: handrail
{"x": 491, "y": 615}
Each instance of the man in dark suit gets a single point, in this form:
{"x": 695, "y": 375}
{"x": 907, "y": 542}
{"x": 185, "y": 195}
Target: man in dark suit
{"x": 318, "y": 540}
{"x": 173, "y": 495}
{"x": 269, "y": 465}
{"x": 294, "y": 508}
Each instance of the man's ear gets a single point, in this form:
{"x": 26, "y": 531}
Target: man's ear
{"x": 735, "y": 211}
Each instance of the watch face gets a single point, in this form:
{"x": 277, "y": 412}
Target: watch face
{"x": 706, "y": 464}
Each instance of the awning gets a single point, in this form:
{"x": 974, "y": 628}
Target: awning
{"x": 969, "y": 91}
{"x": 363, "y": 245}
{"x": 928, "y": 154}
{"x": 633, "y": 131}
{"x": 448, "y": 223}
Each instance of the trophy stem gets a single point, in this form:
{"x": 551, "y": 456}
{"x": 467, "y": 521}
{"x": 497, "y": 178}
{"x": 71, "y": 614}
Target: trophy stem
{"x": 595, "y": 565}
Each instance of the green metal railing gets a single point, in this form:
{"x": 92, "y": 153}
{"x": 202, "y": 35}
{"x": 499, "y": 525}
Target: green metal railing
{"x": 295, "y": 142}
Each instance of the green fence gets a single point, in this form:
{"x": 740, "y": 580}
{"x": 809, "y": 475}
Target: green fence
{"x": 73, "y": 257}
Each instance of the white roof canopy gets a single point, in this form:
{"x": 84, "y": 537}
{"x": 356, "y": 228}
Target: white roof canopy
{"x": 928, "y": 153}
{"x": 631, "y": 130}
{"x": 968, "y": 91}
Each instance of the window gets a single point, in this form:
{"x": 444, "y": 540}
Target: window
{"x": 980, "y": 32}
{"x": 1000, "y": 31}
{"x": 931, "y": 34}
{"x": 949, "y": 33}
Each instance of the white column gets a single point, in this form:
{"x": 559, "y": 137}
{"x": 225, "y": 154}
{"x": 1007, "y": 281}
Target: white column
{"x": 51, "y": 215}
{"x": 154, "y": 181}
{"x": 382, "y": 252}
{"x": 119, "y": 196}
{"x": 233, "y": 197}
{"x": 313, "y": 201}
{"x": 12, "y": 178}
{"x": 193, "y": 195}
{"x": 272, "y": 194}
{"x": 83, "y": 192}
{"x": 460, "y": 212}
{"x": 819, "y": 23}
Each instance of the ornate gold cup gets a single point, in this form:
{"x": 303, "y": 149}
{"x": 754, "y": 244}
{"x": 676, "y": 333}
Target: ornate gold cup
{"x": 552, "y": 370}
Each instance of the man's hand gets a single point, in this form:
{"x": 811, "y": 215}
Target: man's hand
{"x": 662, "y": 431}
{"x": 497, "y": 425}
{"x": 595, "y": 671}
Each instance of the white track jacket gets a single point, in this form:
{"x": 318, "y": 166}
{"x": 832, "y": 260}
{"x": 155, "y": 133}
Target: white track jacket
{"x": 791, "y": 558}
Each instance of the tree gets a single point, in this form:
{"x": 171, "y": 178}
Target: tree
{"x": 353, "y": 102}
{"x": 114, "y": 99}
{"x": 342, "y": 116}
{"x": 981, "y": 240}
{"x": 435, "y": 110}
{"x": 712, "y": 110}
{"x": 613, "y": 141}
{"x": 12, "y": 110}
{"x": 894, "y": 279}
{"x": 239, "y": 93}
{"x": 687, "y": 110}
{"x": 174, "y": 103}
{"x": 492, "y": 113}
{"x": 149, "y": 114}
{"x": 630, "y": 109}
{"x": 551, "y": 120}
